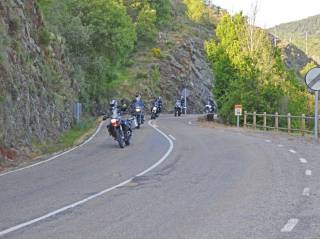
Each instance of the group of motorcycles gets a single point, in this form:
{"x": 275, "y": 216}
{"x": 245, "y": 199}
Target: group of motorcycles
{"x": 123, "y": 119}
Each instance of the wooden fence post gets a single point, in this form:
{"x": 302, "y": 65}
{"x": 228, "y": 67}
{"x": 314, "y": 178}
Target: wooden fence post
{"x": 254, "y": 120}
{"x": 303, "y": 124}
{"x": 264, "y": 120}
{"x": 276, "y": 121}
{"x": 245, "y": 119}
{"x": 289, "y": 123}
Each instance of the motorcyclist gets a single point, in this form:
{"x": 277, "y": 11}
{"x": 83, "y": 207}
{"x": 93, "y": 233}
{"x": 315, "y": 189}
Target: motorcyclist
{"x": 113, "y": 105}
{"x": 212, "y": 104}
{"x": 138, "y": 101}
{"x": 158, "y": 103}
{"x": 182, "y": 100}
{"x": 178, "y": 108}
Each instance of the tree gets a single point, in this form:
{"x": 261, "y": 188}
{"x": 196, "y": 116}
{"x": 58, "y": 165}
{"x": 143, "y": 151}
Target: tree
{"x": 146, "y": 20}
{"x": 249, "y": 71}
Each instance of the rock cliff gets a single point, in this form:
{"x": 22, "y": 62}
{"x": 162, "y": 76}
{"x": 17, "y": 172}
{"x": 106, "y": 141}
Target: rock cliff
{"x": 186, "y": 67}
{"x": 36, "y": 87}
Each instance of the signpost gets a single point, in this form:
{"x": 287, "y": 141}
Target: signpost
{"x": 238, "y": 113}
{"x": 185, "y": 93}
{"x": 312, "y": 80}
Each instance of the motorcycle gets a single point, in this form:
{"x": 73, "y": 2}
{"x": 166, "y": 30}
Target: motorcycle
{"x": 138, "y": 112}
{"x": 177, "y": 109}
{"x": 120, "y": 129}
{"x": 209, "y": 109}
{"x": 154, "y": 112}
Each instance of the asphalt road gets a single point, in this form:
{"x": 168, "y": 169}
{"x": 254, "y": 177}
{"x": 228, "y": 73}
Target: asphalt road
{"x": 193, "y": 182}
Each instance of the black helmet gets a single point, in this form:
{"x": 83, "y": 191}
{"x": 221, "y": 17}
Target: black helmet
{"x": 113, "y": 103}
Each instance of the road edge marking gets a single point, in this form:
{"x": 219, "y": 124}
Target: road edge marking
{"x": 56, "y": 156}
{"x": 292, "y": 151}
{"x": 303, "y": 160}
{"x": 173, "y": 138}
{"x": 96, "y": 195}
{"x": 306, "y": 192}
{"x": 290, "y": 225}
{"x": 308, "y": 172}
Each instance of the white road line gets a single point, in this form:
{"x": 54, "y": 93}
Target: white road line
{"x": 172, "y": 137}
{"x": 308, "y": 172}
{"x": 306, "y": 192}
{"x": 292, "y": 151}
{"x": 56, "y": 156}
{"x": 280, "y": 146}
{"x": 99, "y": 194}
{"x": 290, "y": 225}
{"x": 268, "y": 140}
{"x": 303, "y": 160}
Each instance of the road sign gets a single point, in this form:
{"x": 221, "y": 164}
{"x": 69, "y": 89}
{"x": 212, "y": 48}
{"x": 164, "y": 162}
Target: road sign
{"x": 185, "y": 92}
{"x": 312, "y": 79}
{"x": 238, "y": 110}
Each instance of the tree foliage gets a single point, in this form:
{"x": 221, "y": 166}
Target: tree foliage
{"x": 146, "y": 23}
{"x": 250, "y": 72}
{"x": 101, "y": 34}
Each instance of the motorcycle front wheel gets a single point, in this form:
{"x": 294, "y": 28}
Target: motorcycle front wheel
{"x": 128, "y": 138}
{"x": 119, "y": 138}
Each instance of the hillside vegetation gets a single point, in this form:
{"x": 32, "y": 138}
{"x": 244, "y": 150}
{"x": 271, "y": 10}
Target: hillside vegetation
{"x": 37, "y": 88}
{"x": 101, "y": 35}
{"x": 295, "y": 33}
{"x": 250, "y": 71}
{"x": 151, "y": 46}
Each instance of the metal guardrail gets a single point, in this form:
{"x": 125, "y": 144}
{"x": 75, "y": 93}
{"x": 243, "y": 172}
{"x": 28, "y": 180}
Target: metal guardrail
{"x": 303, "y": 124}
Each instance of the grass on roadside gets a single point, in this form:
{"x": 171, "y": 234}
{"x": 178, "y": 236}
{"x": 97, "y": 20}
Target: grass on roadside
{"x": 68, "y": 138}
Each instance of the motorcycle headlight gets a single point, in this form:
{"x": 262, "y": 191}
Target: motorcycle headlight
{"x": 138, "y": 110}
{"x": 154, "y": 108}
{"x": 114, "y": 122}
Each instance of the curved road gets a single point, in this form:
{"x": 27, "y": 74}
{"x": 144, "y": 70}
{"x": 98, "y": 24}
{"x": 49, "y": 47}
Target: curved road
{"x": 193, "y": 182}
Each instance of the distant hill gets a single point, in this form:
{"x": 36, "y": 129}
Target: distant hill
{"x": 295, "y": 33}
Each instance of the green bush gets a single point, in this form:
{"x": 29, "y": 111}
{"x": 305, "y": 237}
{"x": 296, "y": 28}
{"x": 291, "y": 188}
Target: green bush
{"x": 141, "y": 75}
{"x": 44, "y": 37}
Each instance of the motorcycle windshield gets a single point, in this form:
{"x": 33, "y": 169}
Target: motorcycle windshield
{"x": 115, "y": 114}
{"x": 138, "y": 105}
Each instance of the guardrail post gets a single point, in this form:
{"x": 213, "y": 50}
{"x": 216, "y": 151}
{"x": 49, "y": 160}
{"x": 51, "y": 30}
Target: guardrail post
{"x": 245, "y": 119}
{"x": 303, "y": 124}
{"x": 276, "y": 126}
{"x": 264, "y": 120}
{"x": 254, "y": 120}
{"x": 289, "y": 123}
{"x": 318, "y": 125}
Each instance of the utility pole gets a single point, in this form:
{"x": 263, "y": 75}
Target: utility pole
{"x": 306, "y": 43}
{"x": 275, "y": 37}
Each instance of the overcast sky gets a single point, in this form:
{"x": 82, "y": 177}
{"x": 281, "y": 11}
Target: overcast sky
{"x": 273, "y": 12}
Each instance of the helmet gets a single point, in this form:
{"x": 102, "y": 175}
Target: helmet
{"x": 113, "y": 103}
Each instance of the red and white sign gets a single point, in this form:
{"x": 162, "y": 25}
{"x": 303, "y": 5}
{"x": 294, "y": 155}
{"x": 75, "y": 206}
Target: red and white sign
{"x": 238, "y": 110}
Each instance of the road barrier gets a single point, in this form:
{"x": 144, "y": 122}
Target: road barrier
{"x": 289, "y": 123}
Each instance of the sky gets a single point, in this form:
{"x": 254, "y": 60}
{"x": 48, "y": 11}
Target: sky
{"x": 273, "y": 12}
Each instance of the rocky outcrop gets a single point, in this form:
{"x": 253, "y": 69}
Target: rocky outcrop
{"x": 186, "y": 67}
{"x": 36, "y": 88}
{"x": 294, "y": 58}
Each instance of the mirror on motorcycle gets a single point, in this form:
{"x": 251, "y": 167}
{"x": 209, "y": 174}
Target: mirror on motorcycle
{"x": 123, "y": 107}
{"x": 101, "y": 113}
